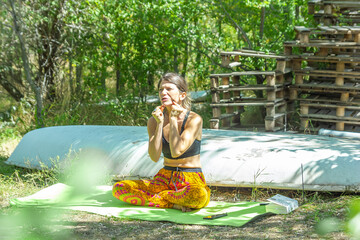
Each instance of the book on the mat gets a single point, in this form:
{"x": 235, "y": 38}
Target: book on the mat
{"x": 280, "y": 204}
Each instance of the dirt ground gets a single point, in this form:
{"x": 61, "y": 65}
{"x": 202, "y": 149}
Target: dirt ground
{"x": 300, "y": 224}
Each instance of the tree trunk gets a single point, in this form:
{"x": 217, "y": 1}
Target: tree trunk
{"x": 25, "y": 60}
{"x": 78, "y": 73}
{"x": 176, "y": 64}
{"x": 119, "y": 84}
{"x": 262, "y": 23}
{"x": 71, "y": 82}
{"x": 11, "y": 89}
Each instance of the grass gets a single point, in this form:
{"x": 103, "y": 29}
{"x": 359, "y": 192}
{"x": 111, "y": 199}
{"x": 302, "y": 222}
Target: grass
{"x": 320, "y": 216}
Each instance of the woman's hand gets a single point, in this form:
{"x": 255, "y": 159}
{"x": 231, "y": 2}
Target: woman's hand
{"x": 176, "y": 109}
{"x": 158, "y": 114}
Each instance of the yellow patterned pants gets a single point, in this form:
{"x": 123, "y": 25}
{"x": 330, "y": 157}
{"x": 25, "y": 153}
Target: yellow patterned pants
{"x": 171, "y": 185}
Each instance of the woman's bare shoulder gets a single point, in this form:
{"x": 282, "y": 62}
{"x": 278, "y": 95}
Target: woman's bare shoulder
{"x": 195, "y": 116}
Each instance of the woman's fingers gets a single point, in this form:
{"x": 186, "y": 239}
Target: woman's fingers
{"x": 162, "y": 108}
{"x": 157, "y": 113}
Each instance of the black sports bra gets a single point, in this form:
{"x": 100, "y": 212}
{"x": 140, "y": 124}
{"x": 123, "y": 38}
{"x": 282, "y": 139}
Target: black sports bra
{"x": 193, "y": 150}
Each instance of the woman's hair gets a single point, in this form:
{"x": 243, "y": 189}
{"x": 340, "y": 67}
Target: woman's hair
{"x": 181, "y": 84}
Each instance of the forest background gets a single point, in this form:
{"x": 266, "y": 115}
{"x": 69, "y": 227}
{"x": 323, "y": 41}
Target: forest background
{"x": 65, "y": 62}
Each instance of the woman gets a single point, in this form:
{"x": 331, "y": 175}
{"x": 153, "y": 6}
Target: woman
{"x": 176, "y": 131}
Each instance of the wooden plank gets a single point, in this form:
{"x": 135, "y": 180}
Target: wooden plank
{"x": 335, "y": 59}
{"x": 221, "y": 75}
{"x": 327, "y": 105}
{"x": 328, "y": 29}
{"x": 333, "y": 119}
{"x": 314, "y": 1}
{"x": 243, "y": 50}
{"x": 255, "y": 73}
{"x": 353, "y": 88}
{"x": 301, "y": 29}
{"x": 351, "y": 4}
{"x": 244, "y": 54}
{"x": 323, "y": 44}
{"x": 341, "y": 29}
{"x": 253, "y": 102}
{"x": 249, "y": 87}
{"x": 276, "y": 116}
{"x": 248, "y": 73}
{"x": 328, "y": 73}
{"x": 226, "y": 115}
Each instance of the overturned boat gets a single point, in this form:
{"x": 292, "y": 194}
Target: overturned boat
{"x": 229, "y": 158}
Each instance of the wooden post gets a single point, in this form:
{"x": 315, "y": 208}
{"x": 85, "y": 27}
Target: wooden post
{"x": 282, "y": 109}
{"x": 348, "y": 36}
{"x": 340, "y": 67}
{"x": 269, "y": 125}
{"x": 311, "y": 8}
{"x": 236, "y": 82}
{"x": 304, "y": 37}
{"x": 270, "y": 111}
{"x": 322, "y": 52}
{"x": 271, "y": 96}
{"x": 226, "y": 122}
{"x": 344, "y": 97}
{"x": 304, "y": 110}
{"x": 225, "y": 60}
{"x": 293, "y": 94}
{"x": 340, "y": 126}
{"x": 328, "y": 21}
{"x": 340, "y": 111}
{"x": 216, "y": 111}
{"x": 270, "y": 80}
{"x": 336, "y": 51}
{"x": 280, "y": 94}
{"x": 280, "y": 65}
{"x": 280, "y": 79}
{"x": 328, "y": 9}
{"x": 214, "y": 81}
{"x": 287, "y": 51}
{"x": 214, "y": 123}
{"x": 296, "y": 64}
{"x": 357, "y": 38}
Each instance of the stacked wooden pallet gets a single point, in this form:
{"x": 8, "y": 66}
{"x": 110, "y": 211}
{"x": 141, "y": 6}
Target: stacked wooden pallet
{"x": 228, "y": 98}
{"x": 334, "y": 12}
{"x": 327, "y": 76}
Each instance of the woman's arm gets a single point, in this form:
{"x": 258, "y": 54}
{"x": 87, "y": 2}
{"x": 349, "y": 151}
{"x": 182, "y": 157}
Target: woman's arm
{"x": 155, "y": 138}
{"x": 180, "y": 143}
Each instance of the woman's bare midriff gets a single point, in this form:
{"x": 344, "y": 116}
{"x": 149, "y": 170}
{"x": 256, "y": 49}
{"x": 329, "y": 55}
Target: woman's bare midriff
{"x": 190, "y": 162}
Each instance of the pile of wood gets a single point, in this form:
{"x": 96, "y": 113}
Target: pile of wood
{"x": 325, "y": 61}
{"x": 335, "y": 12}
{"x": 229, "y": 95}
{"x": 326, "y": 64}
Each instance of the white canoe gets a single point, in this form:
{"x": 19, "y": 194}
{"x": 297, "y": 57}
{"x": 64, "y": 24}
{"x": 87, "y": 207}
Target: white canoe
{"x": 229, "y": 158}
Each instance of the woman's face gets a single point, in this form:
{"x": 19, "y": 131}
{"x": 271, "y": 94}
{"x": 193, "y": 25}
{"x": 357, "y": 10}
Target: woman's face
{"x": 168, "y": 92}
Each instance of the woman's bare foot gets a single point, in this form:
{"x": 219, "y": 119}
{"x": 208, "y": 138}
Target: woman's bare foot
{"x": 182, "y": 208}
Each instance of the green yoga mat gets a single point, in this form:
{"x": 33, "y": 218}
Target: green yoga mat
{"x": 101, "y": 201}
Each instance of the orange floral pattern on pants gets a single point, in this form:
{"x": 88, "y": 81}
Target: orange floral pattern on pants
{"x": 168, "y": 187}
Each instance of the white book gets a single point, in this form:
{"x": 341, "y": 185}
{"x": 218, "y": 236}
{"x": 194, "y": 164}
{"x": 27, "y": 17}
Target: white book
{"x": 280, "y": 204}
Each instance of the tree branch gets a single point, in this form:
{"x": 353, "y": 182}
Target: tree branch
{"x": 243, "y": 33}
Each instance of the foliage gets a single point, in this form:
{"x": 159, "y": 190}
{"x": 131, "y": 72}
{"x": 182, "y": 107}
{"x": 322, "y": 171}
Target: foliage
{"x": 104, "y": 50}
